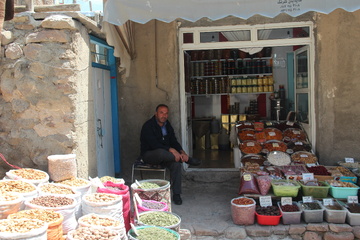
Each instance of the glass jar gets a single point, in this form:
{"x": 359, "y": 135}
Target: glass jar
{"x": 254, "y": 81}
{"x": 255, "y": 88}
{"x": 271, "y": 80}
{"x": 233, "y": 89}
{"x": 266, "y": 88}
{"x": 243, "y": 82}
{"x": 248, "y": 81}
{"x": 249, "y": 89}
{"x": 271, "y": 88}
{"x": 238, "y": 89}
{"x": 260, "y": 81}
{"x": 244, "y": 89}
{"x": 266, "y": 81}
{"x": 260, "y": 88}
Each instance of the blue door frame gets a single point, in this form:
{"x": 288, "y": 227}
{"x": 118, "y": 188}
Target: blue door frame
{"x": 111, "y": 66}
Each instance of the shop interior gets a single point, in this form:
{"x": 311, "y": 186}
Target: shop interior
{"x": 230, "y": 85}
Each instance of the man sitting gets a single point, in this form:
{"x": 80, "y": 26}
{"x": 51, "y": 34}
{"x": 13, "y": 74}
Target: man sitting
{"x": 160, "y": 146}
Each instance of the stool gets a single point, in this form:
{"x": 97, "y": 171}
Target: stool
{"x": 140, "y": 165}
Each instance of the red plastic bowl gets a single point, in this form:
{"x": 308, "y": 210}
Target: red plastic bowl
{"x": 268, "y": 220}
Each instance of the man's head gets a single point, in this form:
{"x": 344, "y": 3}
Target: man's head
{"x": 161, "y": 114}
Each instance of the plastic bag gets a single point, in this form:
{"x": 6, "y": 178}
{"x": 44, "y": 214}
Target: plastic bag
{"x": 264, "y": 184}
{"x": 62, "y": 167}
{"x": 248, "y": 184}
{"x": 123, "y": 190}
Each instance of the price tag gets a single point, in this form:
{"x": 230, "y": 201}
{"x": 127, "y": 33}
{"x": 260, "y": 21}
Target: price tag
{"x": 328, "y": 201}
{"x": 307, "y": 199}
{"x": 272, "y": 134}
{"x": 304, "y": 155}
{"x": 265, "y": 201}
{"x": 299, "y": 143}
{"x": 247, "y": 177}
{"x": 247, "y": 123}
{"x": 349, "y": 160}
{"x": 250, "y": 144}
{"x": 286, "y": 201}
{"x": 270, "y": 168}
{"x": 275, "y": 145}
{"x": 311, "y": 164}
{"x": 296, "y": 132}
{"x": 307, "y": 176}
{"x": 353, "y": 199}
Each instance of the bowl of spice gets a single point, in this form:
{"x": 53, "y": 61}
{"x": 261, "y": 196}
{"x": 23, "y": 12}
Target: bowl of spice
{"x": 151, "y": 205}
{"x": 269, "y": 215}
{"x": 152, "y": 232}
{"x": 243, "y": 210}
{"x": 160, "y": 219}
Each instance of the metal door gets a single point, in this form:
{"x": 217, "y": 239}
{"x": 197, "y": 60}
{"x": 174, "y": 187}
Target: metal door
{"x": 103, "y": 120}
{"x": 303, "y": 90}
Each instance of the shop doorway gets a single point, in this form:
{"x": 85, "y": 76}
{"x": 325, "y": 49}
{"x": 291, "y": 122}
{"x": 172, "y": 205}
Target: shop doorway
{"x": 226, "y": 72}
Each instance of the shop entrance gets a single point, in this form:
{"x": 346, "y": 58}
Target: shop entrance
{"x": 241, "y": 73}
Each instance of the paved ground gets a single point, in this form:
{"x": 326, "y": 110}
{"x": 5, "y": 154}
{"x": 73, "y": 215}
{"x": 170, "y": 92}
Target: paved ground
{"x": 206, "y": 207}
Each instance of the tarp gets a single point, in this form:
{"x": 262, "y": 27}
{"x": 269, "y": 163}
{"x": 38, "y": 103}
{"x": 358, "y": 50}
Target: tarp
{"x": 119, "y": 11}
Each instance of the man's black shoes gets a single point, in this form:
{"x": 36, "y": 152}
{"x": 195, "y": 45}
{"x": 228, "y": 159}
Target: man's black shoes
{"x": 177, "y": 199}
{"x": 194, "y": 162}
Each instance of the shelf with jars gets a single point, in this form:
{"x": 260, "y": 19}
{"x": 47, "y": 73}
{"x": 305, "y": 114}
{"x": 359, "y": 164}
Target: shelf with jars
{"x": 231, "y": 76}
{"x": 239, "y": 66}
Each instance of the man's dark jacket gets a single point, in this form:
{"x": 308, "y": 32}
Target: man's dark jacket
{"x": 151, "y": 137}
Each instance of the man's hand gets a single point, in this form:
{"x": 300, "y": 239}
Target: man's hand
{"x": 184, "y": 156}
{"x": 178, "y": 157}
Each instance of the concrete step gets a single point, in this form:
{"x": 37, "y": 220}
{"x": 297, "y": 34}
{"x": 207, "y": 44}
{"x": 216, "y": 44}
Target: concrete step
{"x": 212, "y": 175}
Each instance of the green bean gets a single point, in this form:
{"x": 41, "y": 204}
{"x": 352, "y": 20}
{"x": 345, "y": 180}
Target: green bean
{"x": 161, "y": 219}
{"x": 153, "y": 233}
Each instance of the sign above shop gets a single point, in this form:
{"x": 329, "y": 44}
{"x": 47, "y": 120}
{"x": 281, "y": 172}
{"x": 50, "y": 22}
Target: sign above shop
{"x": 119, "y": 11}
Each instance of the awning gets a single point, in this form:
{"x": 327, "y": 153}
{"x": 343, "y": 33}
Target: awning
{"x": 119, "y": 11}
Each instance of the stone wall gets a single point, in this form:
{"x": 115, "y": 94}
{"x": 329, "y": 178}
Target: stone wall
{"x": 45, "y": 100}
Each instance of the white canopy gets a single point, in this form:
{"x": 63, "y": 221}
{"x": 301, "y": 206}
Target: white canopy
{"x": 119, "y": 11}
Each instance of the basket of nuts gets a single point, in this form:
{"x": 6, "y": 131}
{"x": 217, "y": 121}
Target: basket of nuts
{"x": 26, "y": 189}
{"x": 23, "y": 229}
{"x": 34, "y": 176}
{"x": 54, "y": 220}
{"x": 85, "y": 233}
{"x": 96, "y": 220}
{"x": 78, "y": 184}
{"x": 61, "y": 204}
{"x": 105, "y": 204}
{"x": 10, "y": 202}
{"x": 61, "y": 190}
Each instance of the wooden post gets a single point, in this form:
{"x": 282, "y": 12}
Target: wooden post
{"x": 30, "y": 5}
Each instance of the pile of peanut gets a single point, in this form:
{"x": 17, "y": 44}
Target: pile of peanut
{"x": 102, "y": 197}
{"x": 16, "y": 186}
{"x": 74, "y": 182}
{"x": 97, "y": 220}
{"x": 48, "y": 216}
{"x": 56, "y": 189}
{"x": 52, "y": 201}
{"x": 87, "y": 233}
{"x": 20, "y": 225}
{"x": 8, "y": 196}
{"x": 29, "y": 173}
